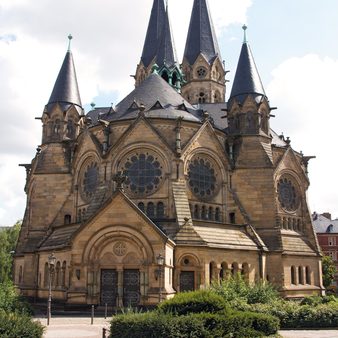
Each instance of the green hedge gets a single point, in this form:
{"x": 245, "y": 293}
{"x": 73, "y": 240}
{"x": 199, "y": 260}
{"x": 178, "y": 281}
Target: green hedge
{"x": 193, "y": 302}
{"x": 294, "y": 315}
{"x": 194, "y": 325}
{"x": 13, "y": 325}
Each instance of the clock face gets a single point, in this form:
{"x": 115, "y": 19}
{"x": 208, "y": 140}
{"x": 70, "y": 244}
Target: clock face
{"x": 287, "y": 194}
{"x": 202, "y": 177}
{"x": 144, "y": 173}
{"x": 201, "y": 72}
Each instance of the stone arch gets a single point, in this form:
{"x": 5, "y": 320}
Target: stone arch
{"x": 293, "y": 275}
{"x": 224, "y": 272}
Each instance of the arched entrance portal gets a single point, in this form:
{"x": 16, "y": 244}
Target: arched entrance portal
{"x": 119, "y": 268}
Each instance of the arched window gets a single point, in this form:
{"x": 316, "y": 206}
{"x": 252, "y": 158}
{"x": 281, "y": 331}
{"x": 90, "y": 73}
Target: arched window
{"x": 141, "y": 206}
{"x": 224, "y": 271}
{"x": 57, "y": 127}
{"x": 46, "y": 275}
{"x": 57, "y": 274}
{"x": 160, "y": 210}
{"x": 217, "y": 215}
{"x": 300, "y": 275}
{"x": 212, "y": 270}
{"x": 308, "y": 275}
{"x": 67, "y": 219}
{"x": 70, "y": 129}
{"x": 165, "y": 76}
{"x": 234, "y": 269}
{"x": 293, "y": 275}
{"x": 63, "y": 274}
{"x": 202, "y": 98}
{"x": 204, "y": 212}
{"x": 196, "y": 212}
{"x": 150, "y": 210}
{"x": 174, "y": 79}
{"x": 210, "y": 213}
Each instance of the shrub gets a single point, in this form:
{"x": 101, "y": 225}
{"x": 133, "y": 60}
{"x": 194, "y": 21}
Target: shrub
{"x": 13, "y": 325}
{"x": 237, "y": 289}
{"x": 193, "y": 302}
{"x": 206, "y": 325}
{"x": 10, "y": 301}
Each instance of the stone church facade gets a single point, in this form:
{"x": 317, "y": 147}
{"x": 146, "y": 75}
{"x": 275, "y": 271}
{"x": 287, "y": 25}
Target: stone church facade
{"x": 172, "y": 170}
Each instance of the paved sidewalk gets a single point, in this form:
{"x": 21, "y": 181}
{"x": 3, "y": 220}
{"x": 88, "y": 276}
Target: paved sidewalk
{"x": 74, "y": 327}
{"x": 309, "y": 333}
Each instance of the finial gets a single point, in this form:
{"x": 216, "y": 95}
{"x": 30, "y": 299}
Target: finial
{"x": 166, "y": 4}
{"x": 245, "y": 27}
{"x": 70, "y": 37}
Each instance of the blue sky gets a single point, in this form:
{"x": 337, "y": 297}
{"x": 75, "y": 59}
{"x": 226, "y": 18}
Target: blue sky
{"x": 294, "y": 43}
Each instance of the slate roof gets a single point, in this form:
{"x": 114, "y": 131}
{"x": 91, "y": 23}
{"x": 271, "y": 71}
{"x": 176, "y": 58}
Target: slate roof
{"x": 166, "y": 53}
{"x": 323, "y": 224}
{"x": 155, "y": 26}
{"x": 247, "y": 80}
{"x": 66, "y": 90}
{"x": 296, "y": 244}
{"x": 216, "y": 111}
{"x": 159, "y": 99}
{"x": 201, "y": 35}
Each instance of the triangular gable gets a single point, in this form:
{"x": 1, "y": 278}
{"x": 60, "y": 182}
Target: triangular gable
{"x": 290, "y": 161}
{"x": 126, "y": 137}
{"x": 208, "y": 131}
{"x": 157, "y": 105}
{"x": 119, "y": 210}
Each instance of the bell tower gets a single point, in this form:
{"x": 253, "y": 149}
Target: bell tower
{"x": 202, "y": 63}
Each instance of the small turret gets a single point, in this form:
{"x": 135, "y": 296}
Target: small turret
{"x": 64, "y": 107}
{"x": 202, "y": 62}
{"x": 248, "y": 106}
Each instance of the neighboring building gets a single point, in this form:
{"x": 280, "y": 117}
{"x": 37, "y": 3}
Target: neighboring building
{"x": 327, "y": 233}
{"x": 206, "y": 184}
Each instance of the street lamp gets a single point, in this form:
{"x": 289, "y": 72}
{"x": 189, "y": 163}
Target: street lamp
{"x": 51, "y": 264}
{"x": 160, "y": 263}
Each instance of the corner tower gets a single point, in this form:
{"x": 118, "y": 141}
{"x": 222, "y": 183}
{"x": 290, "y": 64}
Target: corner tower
{"x": 248, "y": 106}
{"x": 202, "y": 63}
{"x": 62, "y": 113}
{"x": 159, "y": 52}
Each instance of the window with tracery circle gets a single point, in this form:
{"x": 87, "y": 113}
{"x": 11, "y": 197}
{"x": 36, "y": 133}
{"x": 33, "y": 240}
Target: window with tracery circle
{"x": 90, "y": 179}
{"x": 201, "y": 72}
{"x": 287, "y": 194}
{"x": 144, "y": 173}
{"x": 202, "y": 177}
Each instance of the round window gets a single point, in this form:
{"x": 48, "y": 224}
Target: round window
{"x": 201, "y": 72}
{"x": 287, "y": 194}
{"x": 202, "y": 177}
{"x": 90, "y": 180}
{"x": 144, "y": 173}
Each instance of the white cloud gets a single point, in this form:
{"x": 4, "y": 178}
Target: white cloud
{"x": 305, "y": 89}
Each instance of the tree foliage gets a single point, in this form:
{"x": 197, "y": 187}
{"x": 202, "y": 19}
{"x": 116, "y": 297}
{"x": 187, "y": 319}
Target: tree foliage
{"x": 329, "y": 270}
{"x": 8, "y": 240}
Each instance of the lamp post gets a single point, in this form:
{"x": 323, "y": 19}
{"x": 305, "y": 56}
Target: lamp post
{"x": 51, "y": 264}
{"x": 160, "y": 263}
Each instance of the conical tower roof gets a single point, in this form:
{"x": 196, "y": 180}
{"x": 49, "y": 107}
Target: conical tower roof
{"x": 201, "y": 35}
{"x": 66, "y": 90}
{"x": 247, "y": 80}
{"x": 154, "y": 32}
{"x": 166, "y": 53}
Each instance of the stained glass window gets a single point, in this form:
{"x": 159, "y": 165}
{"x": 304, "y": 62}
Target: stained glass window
{"x": 287, "y": 194}
{"x": 143, "y": 173}
{"x": 90, "y": 180}
{"x": 202, "y": 178}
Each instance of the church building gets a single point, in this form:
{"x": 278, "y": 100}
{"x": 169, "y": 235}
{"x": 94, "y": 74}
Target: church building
{"x": 170, "y": 190}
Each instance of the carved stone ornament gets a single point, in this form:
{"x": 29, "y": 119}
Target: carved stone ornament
{"x": 120, "y": 249}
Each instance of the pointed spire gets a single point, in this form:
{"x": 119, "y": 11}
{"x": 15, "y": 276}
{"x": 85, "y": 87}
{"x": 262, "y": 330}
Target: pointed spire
{"x": 154, "y": 32}
{"x": 201, "y": 35}
{"x": 166, "y": 53}
{"x": 247, "y": 80}
{"x": 66, "y": 90}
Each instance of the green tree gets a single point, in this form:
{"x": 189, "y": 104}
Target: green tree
{"x": 329, "y": 270}
{"x": 8, "y": 240}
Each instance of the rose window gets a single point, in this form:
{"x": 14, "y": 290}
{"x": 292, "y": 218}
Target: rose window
{"x": 287, "y": 194}
{"x": 143, "y": 172}
{"x": 201, "y": 72}
{"x": 202, "y": 178}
